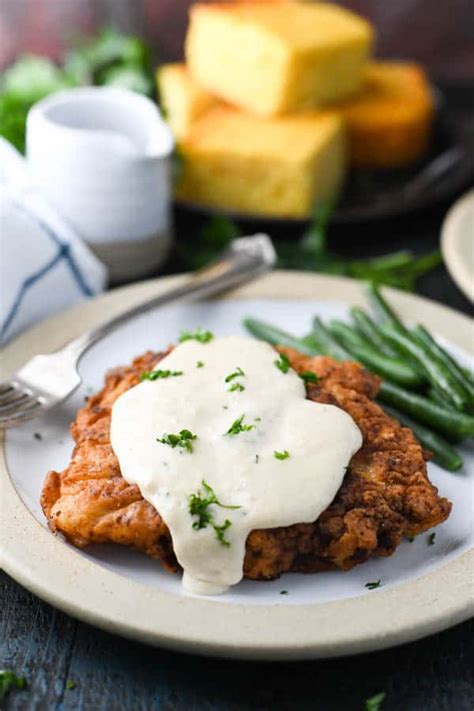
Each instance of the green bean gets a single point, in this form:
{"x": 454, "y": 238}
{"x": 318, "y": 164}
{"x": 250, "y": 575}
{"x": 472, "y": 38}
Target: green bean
{"x": 438, "y": 397}
{"x": 449, "y": 422}
{"x": 436, "y": 372}
{"x": 392, "y": 369}
{"x": 424, "y": 337}
{"x": 382, "y": 309}
{"x": 443, "y": 453}
{"x": 367, "y": 328}
{"x": 278, "y": 337}
{"x": 327, "y": 341}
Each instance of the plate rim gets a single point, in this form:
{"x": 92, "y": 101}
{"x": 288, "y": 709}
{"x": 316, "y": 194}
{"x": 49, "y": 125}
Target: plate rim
{"x": 80, "y": 587}
{"x": 450, "y": 238}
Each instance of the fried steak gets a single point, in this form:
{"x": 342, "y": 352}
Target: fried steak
{"x": 385, "y": 495}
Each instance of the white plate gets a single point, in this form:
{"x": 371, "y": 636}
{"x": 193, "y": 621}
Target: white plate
{"x": 424, "y": 588}
{"x": 457, "y": 243}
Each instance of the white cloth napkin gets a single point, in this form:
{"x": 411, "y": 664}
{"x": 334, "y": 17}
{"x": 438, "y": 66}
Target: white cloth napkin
{"x": 44, "y": 266}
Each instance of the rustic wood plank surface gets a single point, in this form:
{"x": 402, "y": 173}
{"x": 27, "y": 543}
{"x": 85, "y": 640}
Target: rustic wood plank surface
{"x": 112, "y": 674}
{"x": 49, "y": 648}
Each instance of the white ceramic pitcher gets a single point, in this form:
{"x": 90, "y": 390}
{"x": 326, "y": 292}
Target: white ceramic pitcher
{"x": 102, "y": 158}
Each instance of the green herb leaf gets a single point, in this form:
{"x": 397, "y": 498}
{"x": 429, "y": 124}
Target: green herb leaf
{"x": 9, "y": 680}
{"x": 373, "y": 585}
{"x": 200, "y": 364}
{"x": 283, "y": 592}
{"x": 431, "y": 539}
{"x": 70, "y": 684}
{"x": 236, "y": 387}
{"x": 410, "y": 539}
{"x": 237, "y": 427}
{"x": 283, "y": 363}
{"x": 236, "y": 374}
{"x": 183, "y": 439}
{"x": 220, "y": 532}
{"x": 309, "y": 377}
{"x": 199, "y": 506}
{"x": 281, "y": 455}
{"x": 199, "y": 335}
{"x": 157, "y": 374}
{"x": 375, "y": 702}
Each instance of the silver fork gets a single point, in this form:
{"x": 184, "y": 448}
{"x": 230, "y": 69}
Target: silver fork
{"x": 47, "y": 380}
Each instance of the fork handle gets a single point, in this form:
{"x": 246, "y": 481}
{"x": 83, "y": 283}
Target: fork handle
{"x": 245, "y": 259}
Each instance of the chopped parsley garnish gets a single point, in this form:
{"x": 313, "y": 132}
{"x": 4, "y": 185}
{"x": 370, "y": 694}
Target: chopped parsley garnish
{"x": 235, "y": 387}
{"x": 156, "y": 374}
{"x": 256, "y": 458}
{"x": 281, "y": 455}
{"x": 410, "y": 539}
{"x": 237, "y": 427}
{"x": 283, "y": 592}
{"x": 373, "y": 585}
{"x": 200, "y": 364}
{"x": 236, "y": 374}
{"x": 199, "y": 506}
{"x": 70, "y": 684}
{"x": 198, "y": 335}
{"x": 9, "y": 680}
{"x": 38, "y": 436}
{"x": 283, "y": 363}
{"x": 309, "y": 377}
{"x": 431, "y": 539}
{"x": 183, "y": 439}
{"x": 374, "y": 703}
{"x": 220, "y": 535}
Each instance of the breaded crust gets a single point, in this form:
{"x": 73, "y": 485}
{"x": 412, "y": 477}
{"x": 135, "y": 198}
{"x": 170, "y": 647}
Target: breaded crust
{"x": 385, "y": 495}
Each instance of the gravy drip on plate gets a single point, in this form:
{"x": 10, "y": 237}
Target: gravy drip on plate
{"x": 227, "y": 443}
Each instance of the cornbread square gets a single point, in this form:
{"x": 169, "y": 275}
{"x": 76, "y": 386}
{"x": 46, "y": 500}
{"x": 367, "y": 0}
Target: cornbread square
{"x": 389, "y": 123}
{"x": 277, "y": 58}
{"x": 181, "y": 98}
{"x": 280, "y": 167}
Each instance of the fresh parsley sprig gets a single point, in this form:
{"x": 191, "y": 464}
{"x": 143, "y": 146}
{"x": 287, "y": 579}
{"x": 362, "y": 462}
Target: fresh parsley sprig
{"x": 199, "y": 506}
{"x": 236, "y": 374}
{"x": 200, "y": 335}
{"x": 282, "y": 363}
{"x": 309, "y": 377}
{"x": 158, "y": 374}
{"x": 236, "y": 387}
{"x": 238, "y": 426}
{"x": 183, "y": 440}
{"x": 281, "y": 455}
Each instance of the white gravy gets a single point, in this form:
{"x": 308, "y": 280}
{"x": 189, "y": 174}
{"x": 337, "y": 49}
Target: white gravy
{"x": 241, "y": 469}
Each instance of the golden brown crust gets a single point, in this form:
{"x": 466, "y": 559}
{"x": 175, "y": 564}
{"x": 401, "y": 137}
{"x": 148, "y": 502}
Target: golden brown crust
{"x": 385, "y": 494}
